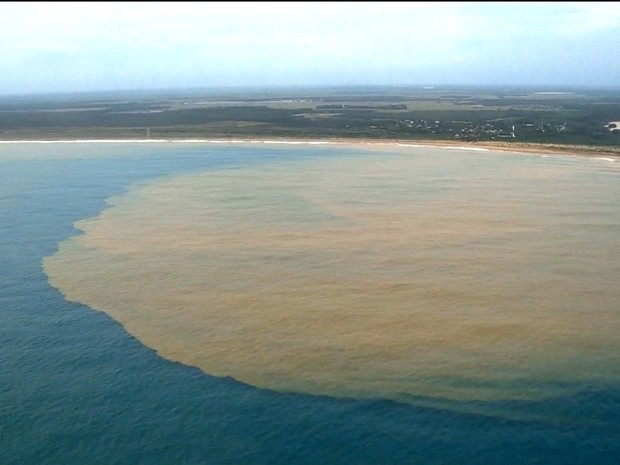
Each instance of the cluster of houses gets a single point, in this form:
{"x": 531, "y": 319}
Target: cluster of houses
{"x": 469, "y": 130}
{"x": 491, "y": 130}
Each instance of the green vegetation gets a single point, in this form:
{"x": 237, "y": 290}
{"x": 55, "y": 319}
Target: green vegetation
{"x": 567, "y": 117}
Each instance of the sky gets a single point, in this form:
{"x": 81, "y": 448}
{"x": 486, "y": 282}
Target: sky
{"x": 53, "y": 47}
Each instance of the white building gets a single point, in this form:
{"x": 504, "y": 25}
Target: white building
{"x": 613, "y": 126}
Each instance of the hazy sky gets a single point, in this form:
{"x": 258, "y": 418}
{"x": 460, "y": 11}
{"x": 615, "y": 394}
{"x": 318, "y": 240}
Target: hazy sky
{"x": 65, "y": 47}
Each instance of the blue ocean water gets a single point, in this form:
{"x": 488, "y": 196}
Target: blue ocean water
{"x": 76, "y": 388}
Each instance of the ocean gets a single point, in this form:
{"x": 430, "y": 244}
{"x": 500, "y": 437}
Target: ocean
{"x": 264, "y": 303}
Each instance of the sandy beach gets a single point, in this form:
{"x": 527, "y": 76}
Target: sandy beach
{"x": 366, "y": 143}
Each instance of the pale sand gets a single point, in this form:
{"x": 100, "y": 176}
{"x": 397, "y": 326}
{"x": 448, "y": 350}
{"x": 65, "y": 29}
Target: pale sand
{"x": 492, "y": 146}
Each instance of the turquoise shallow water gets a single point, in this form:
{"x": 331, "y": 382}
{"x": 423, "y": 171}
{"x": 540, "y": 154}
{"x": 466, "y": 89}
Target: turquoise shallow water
{"x": 75, "y": 387}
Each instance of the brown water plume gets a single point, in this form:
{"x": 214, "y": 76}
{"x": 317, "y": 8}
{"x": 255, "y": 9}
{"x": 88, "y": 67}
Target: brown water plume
{"x": 474, "y": 276}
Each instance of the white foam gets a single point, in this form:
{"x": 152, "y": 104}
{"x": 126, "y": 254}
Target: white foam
{"x": 472, "y": 149}
{"x": 296, "y": 142}
{"x": 450, "y": 147}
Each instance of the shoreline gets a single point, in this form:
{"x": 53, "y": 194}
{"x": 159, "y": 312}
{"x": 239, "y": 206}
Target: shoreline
{"x": 481, "y": 146}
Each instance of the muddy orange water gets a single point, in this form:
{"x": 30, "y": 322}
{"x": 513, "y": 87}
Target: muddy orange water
{"x": 394, "y": 275}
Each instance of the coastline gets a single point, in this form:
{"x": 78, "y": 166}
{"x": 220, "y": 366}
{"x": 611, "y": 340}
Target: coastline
{"x": 482, "y": 146}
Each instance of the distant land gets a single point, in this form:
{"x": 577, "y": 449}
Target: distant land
{"x": 574, "y": 119}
